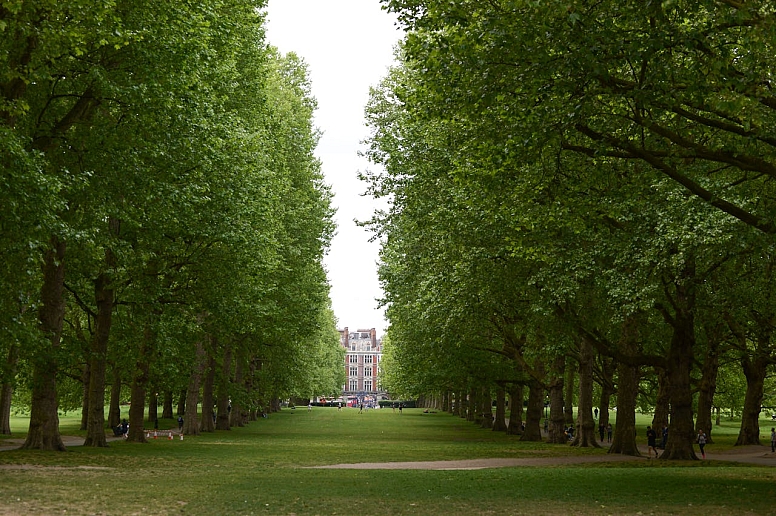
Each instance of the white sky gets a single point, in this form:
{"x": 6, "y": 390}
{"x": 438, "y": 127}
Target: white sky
{"x": 348, "y": 47}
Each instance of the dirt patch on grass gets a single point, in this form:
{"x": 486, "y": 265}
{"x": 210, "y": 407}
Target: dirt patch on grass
{"x": 485, "y": 463}
{"x": 33, "y": 467}
{"x": 758, "y": 455}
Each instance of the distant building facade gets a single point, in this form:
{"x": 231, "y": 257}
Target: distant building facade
{"x": 363, "y": 352}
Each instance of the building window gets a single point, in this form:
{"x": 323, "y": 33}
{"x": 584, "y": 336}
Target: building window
{"x": 367, "y": 359}
{"x": 353, "y": 371}
{"x": 352, "y": 347}
{"x": 367, "y": 371}
{"x": 367, "y": 385}
{"x": 353, "y": 385}
{"x": 353, "y": 359}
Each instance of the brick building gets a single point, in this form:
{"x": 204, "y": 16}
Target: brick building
{"x": 363, "y": 351}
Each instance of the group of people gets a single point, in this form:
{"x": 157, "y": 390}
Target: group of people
{"x": 701, "y": 439}
{"x": 605, "y": 429}
{"x": 122, "y": 429}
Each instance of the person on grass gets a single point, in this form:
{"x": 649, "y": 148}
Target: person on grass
{"x": 702, "y": 442}
{"x": 651, "y": 438}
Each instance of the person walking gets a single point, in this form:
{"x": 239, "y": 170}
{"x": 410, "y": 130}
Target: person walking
{"x": 651, "y": 438}
{"x": 702, "y": 442}
{"x": 773, "y": 440}
{"x": 609, "y": 433}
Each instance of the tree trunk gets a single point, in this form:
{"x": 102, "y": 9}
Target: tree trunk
{"x": 662, "y": 400}
{"x": 461, "y": 404}
{"x": 586, "y": 428}
{"x": 515, "y": 426}
{"x": 239, "y": 413}
{"x": 624, "y": 439}
{"x": 607, "y": 389}
{"x": 191, "y": 422}
{"x": 43, "y": 433}
{"x": 471, "y": 405}
{"x": 706, "y": 391}
{"x": 181, "y": 405}
{"x": 85, "y": 396}
{"x": 678, "y": 368}
{"x": 207, "y": 424}
{"x": 6, "y": 394}
{"x": 755, "y": 372}
{"x": 568, "y": 402}
{"x": 556, "y": 426}
{"x": 533, "y": 414}
{"x": 167, "y": 404}
{"x": 153, "y": 407}
{"x": 139, "y": 385}
{"x": 224, "y": 404}
{"x": 114, "y": 411}
{"x": 98, "y": 358}
{"x": 500, "y": 424}
{"x": 487, "y": 408}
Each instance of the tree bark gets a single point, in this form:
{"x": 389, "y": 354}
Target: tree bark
{"x": 755, "y": 372}
{"x": 167, "y": 404}
{"x": 181, "y": 405}
{"x": 586, "y": 428}
{"x": 471, "y": 405}
{"x": 223, "y": 417}
{"x": 662, "y": 400}
{"x": 98, "y": 359}
{"x": 708, "y": 386}
{"x": 114, "y": 411}
{"x": 515, "y": 426}
{"x": 487, "y": 408}
{"x": 85, "y": 395}
{"x": 239, "y": 413}
{"x": 499, "y": 423}
{"x": 607, "y": 389}
{"x": 43, "y": 433}
{"x": 556, "y": 424}
{"x": 568, "y": 402}
{"x": 140, "y": 380}
{"x": 206, "y": 423}
{"x": 6, "y": 394}
{"x": 624, "y": 439}
{"x": 678, "y": 368}
{"x": 191, "y": 423}
{"x": 533, "y": 415}
{"x": 153, "y": 406}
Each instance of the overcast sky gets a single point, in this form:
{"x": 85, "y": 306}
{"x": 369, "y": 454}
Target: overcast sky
{"x": 348, "y": 47}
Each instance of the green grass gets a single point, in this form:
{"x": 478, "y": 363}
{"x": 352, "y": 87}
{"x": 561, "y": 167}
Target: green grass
{"x": 260, "y": 469}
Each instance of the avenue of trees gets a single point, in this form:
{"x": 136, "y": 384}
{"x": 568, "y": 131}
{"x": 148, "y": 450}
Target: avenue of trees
{"x": 582, "y": 211}
{"x": 162, "y": 218}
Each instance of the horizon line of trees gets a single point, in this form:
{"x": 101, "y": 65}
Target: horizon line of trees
{"x": 580, "y": 190}
{"x": 163, "y": 219}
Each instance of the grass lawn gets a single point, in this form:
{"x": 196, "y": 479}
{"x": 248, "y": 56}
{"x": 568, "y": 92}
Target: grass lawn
{"x": 260, "y": 469}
